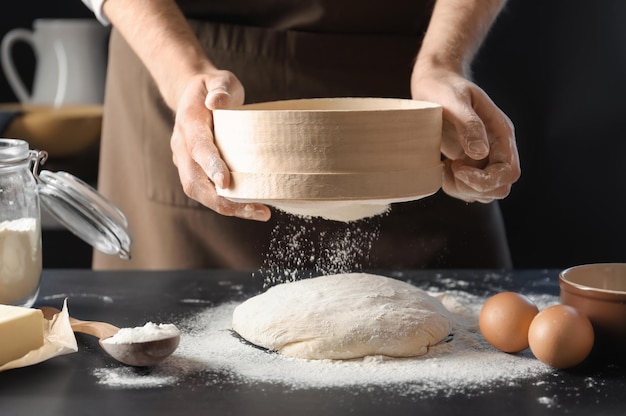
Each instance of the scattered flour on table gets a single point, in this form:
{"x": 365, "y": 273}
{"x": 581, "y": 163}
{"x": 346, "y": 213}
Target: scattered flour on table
{"x": 133, "y": 378}
{"x": 102, "y": 298}
{"x": 464, "y": 363}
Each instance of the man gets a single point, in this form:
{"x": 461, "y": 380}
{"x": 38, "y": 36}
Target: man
{"x": 172, "y": 63}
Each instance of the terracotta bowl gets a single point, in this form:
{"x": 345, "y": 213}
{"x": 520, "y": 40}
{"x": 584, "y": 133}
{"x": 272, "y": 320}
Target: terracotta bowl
{"x": 329, "y": 150}
{"x": 599, "y": 291}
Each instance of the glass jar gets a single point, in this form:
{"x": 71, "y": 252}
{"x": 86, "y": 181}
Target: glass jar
{"x": 72, "y": 202}
{"x": 20, "y": 225}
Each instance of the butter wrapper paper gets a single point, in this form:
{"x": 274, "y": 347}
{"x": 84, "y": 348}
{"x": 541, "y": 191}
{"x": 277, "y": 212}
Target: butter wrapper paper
{"x": 59, "y": 339}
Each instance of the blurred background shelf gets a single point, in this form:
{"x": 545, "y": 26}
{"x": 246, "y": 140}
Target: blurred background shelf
{"x": 64, "y": 132}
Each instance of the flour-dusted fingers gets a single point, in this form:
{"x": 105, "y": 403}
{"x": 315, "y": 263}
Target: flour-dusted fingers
{"x": 224, "y": 91}
{"x": 492, "y": 175}
{"x": 484, "y": 179}
{"x": 503, "y": 167}
{"x": 200, "y": 166}
{"x": 199, "y": 187}
{"x": 193, "y": 136}
{"x": 473, "y": 184}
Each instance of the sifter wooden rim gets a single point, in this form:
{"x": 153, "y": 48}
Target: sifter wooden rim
{"x": 325, "y": 149}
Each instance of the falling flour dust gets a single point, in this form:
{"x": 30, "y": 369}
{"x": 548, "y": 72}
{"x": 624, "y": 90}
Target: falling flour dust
{"x": 464, "y": 363}
{"x": 300, "y": 245}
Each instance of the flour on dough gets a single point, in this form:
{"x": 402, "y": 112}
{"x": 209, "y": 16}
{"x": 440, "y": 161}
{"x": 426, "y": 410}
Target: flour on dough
{"x": 343, "y": 316}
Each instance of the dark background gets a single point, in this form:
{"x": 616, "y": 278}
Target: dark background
{"x": 556, "y": 68}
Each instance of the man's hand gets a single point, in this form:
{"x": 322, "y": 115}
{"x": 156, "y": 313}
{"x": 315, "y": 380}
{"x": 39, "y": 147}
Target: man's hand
{"x": 200, "y": 165}
{"x": 481, "y": 159}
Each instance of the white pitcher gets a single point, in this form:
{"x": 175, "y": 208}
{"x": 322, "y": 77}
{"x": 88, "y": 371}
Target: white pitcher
{"x": 70, "y": 61}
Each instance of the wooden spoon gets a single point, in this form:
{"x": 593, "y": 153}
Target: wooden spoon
{"x": 138, "y": 354}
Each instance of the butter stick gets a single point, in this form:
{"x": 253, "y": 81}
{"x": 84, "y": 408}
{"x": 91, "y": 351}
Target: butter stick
{"x": 21, "y": 331}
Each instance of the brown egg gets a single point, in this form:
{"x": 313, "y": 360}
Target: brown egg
{"x": 504, "y": 321}
{"x": 561, "y": 336}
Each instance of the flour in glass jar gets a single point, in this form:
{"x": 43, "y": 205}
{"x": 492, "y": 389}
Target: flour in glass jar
{"x": 462, "y": 364}
{"x": 20, "y": 258}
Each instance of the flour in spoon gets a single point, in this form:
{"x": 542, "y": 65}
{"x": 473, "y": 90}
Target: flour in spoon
{"x": 147, "y": 333}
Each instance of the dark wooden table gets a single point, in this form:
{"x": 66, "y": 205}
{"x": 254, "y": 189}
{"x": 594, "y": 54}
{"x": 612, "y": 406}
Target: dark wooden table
{"x": 67, "y": 386}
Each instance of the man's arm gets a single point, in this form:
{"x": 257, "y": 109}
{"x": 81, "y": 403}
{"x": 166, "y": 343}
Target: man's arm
{"x": 457, "y": 29}
{"x": 159, "y": 34}
{"x": 192, "y": 87}
{"x": 478, "y": 138}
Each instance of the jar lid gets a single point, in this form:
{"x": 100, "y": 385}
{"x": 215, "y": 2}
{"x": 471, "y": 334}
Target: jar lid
{"x": 85, "y": 212}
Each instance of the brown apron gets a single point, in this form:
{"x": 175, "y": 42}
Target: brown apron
{"x": 170, "y": 231}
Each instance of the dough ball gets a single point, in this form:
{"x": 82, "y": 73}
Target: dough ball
{"x": 343, "y": 316}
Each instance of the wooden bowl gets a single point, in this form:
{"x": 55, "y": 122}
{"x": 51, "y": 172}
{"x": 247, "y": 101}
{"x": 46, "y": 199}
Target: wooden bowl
{"x": 61, "y": 131}
{"x": 599, "y": 291}
{"x": 331, "y": 150}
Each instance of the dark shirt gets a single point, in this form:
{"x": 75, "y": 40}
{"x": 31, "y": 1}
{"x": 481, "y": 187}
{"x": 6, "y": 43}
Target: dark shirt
{"x": 401, "y": 17}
